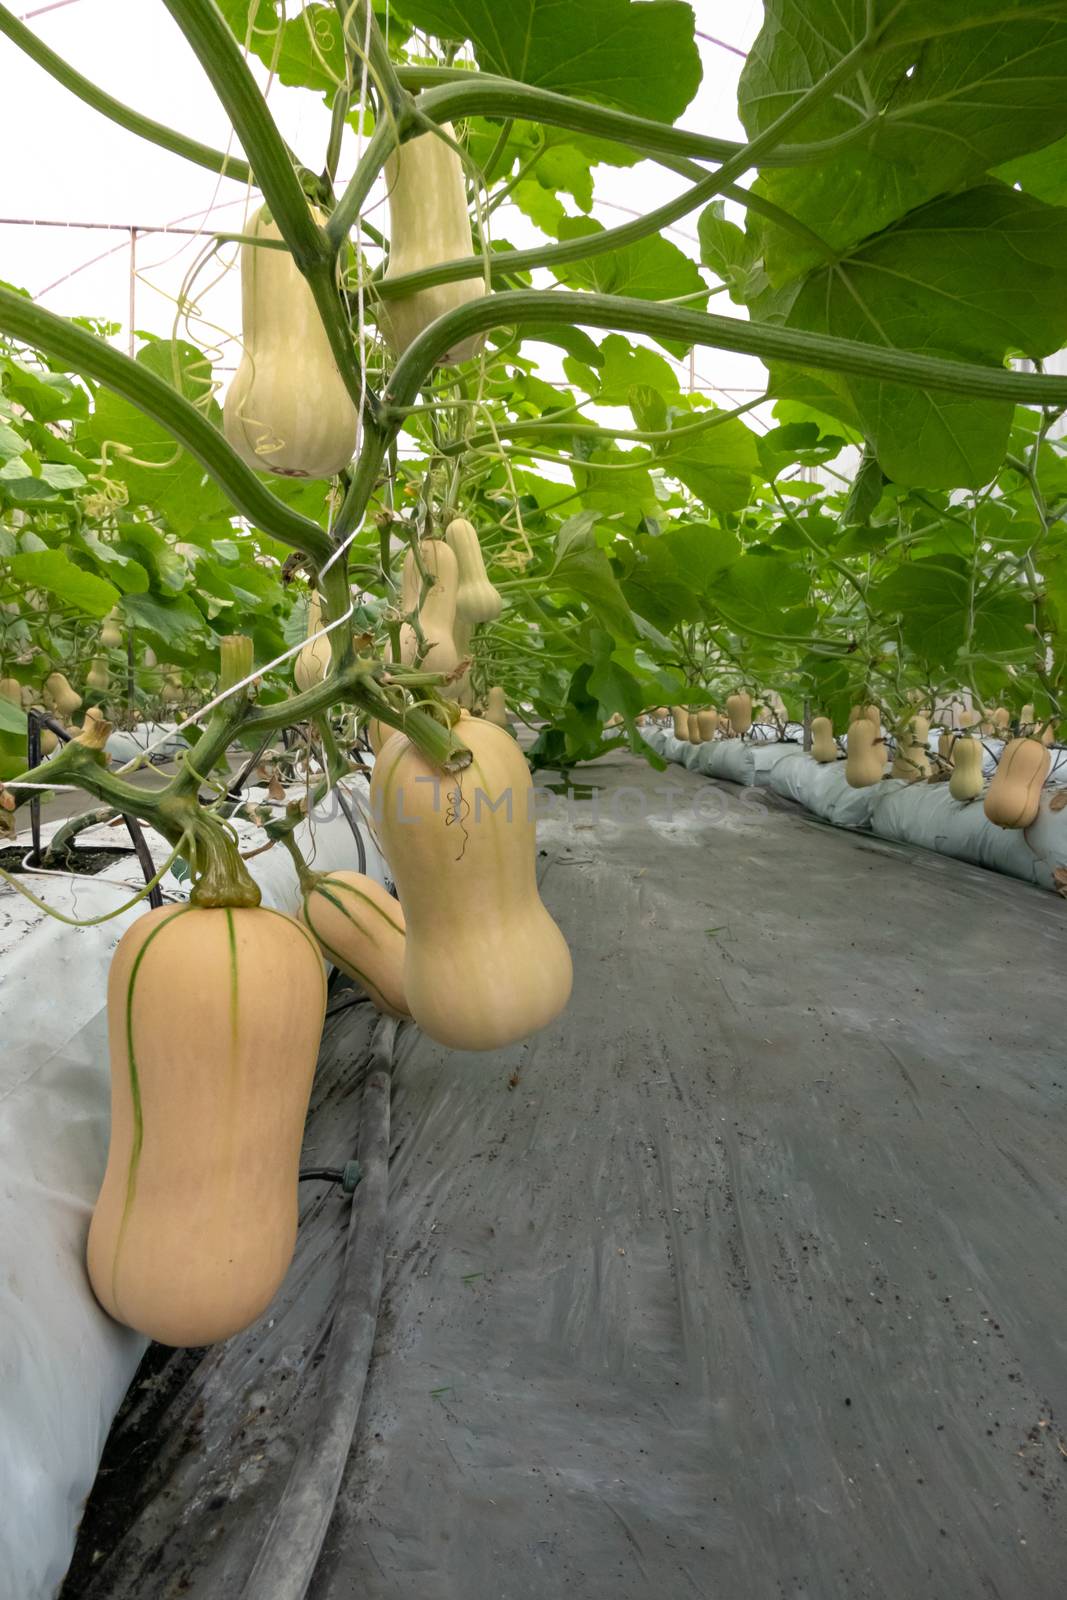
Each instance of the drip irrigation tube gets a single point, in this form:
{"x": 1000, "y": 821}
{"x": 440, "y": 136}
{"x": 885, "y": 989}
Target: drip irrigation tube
{"x": 286, "y": 1563}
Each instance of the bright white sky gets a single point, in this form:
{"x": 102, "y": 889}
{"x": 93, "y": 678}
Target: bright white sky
{"x": 66, "y": 163}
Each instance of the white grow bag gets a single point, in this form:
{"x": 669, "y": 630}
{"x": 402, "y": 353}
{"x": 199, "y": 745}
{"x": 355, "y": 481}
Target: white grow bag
{"x": 64, "y": 1365}
{"x": 923, "y": 814}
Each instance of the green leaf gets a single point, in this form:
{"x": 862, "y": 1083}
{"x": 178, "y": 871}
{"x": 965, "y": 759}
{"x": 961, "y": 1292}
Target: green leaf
{"x": 641, "y": 58}
{"x": 12, "y": 719}
{"x": 615, "y": 688}
{"x": 923, "y": 122}
{"x": 717, "y": 464}
{"x": 71, "y": 585}
{"x": 625, "y": 367}
{"x": 975, "y": 277}
{"x": 127, "y": 574}
{"x": 650, "y": 269}
{"x": 732, "y": 254}
{"x": 761, "y": 591}
{"x": 12, "y": 444}
{"x": 157, "y": 472}
{"x": 176, "y": 623}
{"x": 587, "y": 573}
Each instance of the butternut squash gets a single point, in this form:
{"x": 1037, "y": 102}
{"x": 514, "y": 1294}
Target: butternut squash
{"x": 437, "y": 614}
{"x": 945, "y": 745}
{"x": 111, "y": 631}
{"x": 823, "y": 744}
{"x": 377, "y": 733}
{"x": 460, "y": 689}
{"x": 195, "y": 1223}
{"x": 360, "y": 928}
{"x": 708, "y": 723}
{"x": 11, "y": 689}
{"x": 496, "y": 708}
{"x": 287, "y": 410}
{"x": 912, "y": 761}
{"x": 476, "y": 599}
{"x": 313, "y": 663}
{"x": 484, "y": 963}
{"x": 871, "y": 713}
{"x": 428, "y": 224}
{"x": 97, "y": 675}
{"x": 968, "y": 719}
{"x": 693, "y": 732}
{"x": 1013, "y": 798}
{"x": 967, "y": 780}
{"x": 680, "y": 718}
{"x": 62, "y": 696}
{"x": 739, "y": 711}
{"x": 1001, "y": 721}
{"x": 865, "y": 758}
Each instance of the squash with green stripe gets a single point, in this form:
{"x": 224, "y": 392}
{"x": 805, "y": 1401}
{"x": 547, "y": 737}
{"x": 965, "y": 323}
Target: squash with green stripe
{"x": 360, "y": 928}
{"x": 214, "y": 1020}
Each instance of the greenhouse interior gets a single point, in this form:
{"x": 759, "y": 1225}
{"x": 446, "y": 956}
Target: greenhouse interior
{"x": 533, "y": 795}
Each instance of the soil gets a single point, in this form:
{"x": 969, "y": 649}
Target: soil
{"x": 81, "y": 860}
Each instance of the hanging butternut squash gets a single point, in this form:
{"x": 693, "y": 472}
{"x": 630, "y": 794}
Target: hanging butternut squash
{"x": 484, "y": 963}
{"x": 62, "y": 696}
{"x": 360, "y": 928}
{"x": 680, "y": 718}
{"x": 911, "y": 761}
{"x": 195, "y": 1223}
{"x": 313, "y": 662}
{"x": 476, "y": 599}
{"x": 111, "y": 631}
{"x": 823, "y": 744}
{"x": 693, "y": 733}
{"x": 865, "y": 758}
{"x": 287, "y": 410}
{"x": 437, "y": 610}
{"x": 871, "y": 713}
{"x": 1013, "y": 798}
{"x": 428, "y": 224}
{"x": 707, "y": 723}
{"x": 496, "y": 708}
{"x": 967, "y": 780}
{"x": 739, "y": 711}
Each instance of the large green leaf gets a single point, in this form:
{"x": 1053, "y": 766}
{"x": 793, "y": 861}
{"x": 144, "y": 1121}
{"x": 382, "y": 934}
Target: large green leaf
{"x": 138, "y": 451}
{"x": 587, "y": 573}
{"x": 717, "y": 463}
{"x": 642, "y": 58}
{"x": 975, "y": 277}
{"x": 71, "y": 585}
{"x": 921, "y": 123}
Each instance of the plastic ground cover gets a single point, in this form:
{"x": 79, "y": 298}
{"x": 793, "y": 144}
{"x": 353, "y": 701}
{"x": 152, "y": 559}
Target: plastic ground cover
{"x": 923, "y": 814}
{"x": 64, "y": 1365}
{"x": 743, "y": 1279}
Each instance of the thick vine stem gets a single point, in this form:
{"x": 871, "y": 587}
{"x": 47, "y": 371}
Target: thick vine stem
{"x": 76, "y": 764}
{"x": 770, "y": 343}
{"x": 220, "y": 877}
